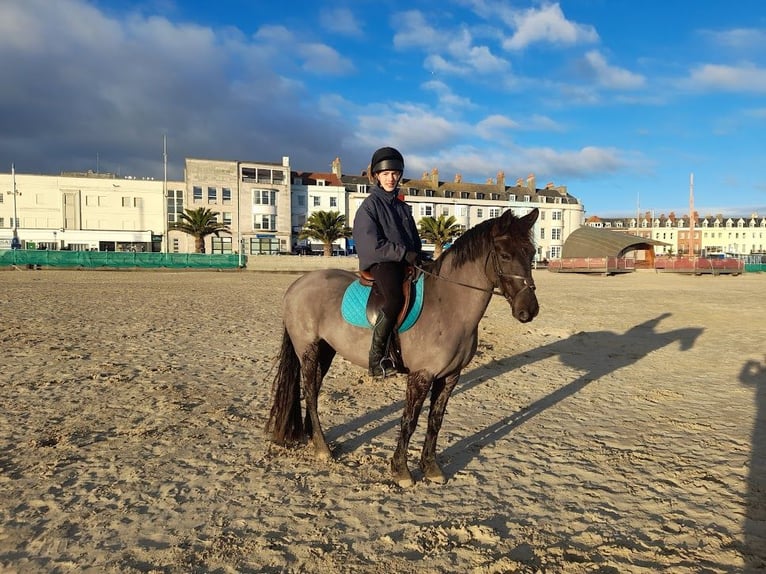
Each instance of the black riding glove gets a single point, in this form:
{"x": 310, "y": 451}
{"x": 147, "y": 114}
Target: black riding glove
{"x": 412, "y": 257}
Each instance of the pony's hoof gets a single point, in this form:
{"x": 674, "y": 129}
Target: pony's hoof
{"x": 404, "y": 482}
{"x": 436, "y": 478}
{"x": 322, "y": 452}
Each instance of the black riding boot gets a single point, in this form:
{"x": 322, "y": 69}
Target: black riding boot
{"x": 380, "y": 363}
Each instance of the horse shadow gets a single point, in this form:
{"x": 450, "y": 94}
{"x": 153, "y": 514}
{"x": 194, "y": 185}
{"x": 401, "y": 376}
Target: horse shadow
{"x": 753, "y": 374}
{"x": 595, "y": 353}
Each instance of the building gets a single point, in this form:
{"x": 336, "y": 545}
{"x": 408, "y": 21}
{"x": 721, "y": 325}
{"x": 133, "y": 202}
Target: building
{"x": 264, "y": 205}
{"x": 710, "y": 235}
{"x": 82, "y": 211}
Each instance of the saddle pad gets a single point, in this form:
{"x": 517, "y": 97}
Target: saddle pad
{"x": 354, "y": 305}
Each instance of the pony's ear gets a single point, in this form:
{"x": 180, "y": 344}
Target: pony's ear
{"x": 529, "y": 219}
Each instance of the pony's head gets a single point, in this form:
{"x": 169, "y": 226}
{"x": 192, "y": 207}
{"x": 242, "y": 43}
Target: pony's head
{"x": 505, "y": 247}
{"x": 510, "y": 262}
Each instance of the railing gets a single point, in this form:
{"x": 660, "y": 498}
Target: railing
{"x": 117, "y": 259}
{"x": 698, "y": 265}
{"x": 593, "y": 264}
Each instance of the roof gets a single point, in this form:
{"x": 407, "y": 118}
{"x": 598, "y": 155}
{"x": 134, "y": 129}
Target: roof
{"x": 593, "y": 242}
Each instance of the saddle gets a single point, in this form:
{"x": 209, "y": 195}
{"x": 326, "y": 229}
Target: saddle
{"x": 375, "y": 300}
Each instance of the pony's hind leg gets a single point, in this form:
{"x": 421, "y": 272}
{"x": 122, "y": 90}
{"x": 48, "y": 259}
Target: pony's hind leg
{"x": 316, "y": 362}
{"x": 440, "y": 394}
{"x": 417, "y": 389}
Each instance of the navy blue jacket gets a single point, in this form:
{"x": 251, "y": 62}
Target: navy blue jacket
{"x": 384, "y": 229}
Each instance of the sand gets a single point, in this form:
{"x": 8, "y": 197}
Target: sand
{"x": 624, "y": 430}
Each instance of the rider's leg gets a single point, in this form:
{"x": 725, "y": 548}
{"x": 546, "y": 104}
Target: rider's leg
{"x": 388, "y": 278}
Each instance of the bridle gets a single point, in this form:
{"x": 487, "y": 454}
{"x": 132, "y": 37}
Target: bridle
{"x": 528, "y": 282}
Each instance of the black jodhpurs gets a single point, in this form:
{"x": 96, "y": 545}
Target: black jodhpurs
{"x": 389, "y": 277}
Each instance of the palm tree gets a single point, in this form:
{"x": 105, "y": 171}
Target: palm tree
{"x": 325, "y": 226}
{"x": 199, "y": 223}
{"x": 439, "y": 231}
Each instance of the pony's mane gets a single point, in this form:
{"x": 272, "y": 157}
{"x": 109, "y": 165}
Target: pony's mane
{"x": 475, "y": 242}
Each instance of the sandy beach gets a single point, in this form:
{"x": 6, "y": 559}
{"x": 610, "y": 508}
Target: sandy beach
{"x": 622, "y": 431}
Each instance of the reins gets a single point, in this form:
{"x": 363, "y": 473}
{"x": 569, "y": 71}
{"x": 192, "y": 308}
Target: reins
{"x": 492, "y": 290}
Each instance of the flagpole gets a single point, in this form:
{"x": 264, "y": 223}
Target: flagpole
{"x": 165, "y": 232}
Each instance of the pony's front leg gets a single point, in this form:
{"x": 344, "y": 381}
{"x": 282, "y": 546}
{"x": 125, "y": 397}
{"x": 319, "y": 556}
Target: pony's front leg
{"x": 312, "y": 381}
{"x": 417, "y": 388}
{"x": 440, "y": 394}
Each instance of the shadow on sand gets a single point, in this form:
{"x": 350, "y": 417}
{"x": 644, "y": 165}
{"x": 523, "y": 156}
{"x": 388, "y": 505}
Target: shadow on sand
{"x": 596, "y": 353}
{"x": 753, "y": 375}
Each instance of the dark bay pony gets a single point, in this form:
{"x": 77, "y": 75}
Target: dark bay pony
{"x": 494, "y": 257}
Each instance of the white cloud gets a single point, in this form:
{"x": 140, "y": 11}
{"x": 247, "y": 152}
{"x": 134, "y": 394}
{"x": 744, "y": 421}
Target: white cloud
{"x": 546, "y": 24}
{"x": 745, "y": 78}
{"x": 612, "y": 77}
{"x": 322, "y": 59}
{"x": 750, "y": 39}
{"x": 340, "y": 21}
{"x": 413, "y": 31}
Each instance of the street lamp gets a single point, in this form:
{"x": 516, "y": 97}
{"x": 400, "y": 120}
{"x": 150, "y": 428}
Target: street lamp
{"x": 15, "y": 242}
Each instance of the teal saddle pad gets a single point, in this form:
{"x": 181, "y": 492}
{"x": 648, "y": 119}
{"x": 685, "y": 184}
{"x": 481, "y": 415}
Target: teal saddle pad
{"x": 354, "y": 305}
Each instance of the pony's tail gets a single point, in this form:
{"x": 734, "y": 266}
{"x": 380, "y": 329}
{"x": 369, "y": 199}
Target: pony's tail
{"x": 285, "y": 421}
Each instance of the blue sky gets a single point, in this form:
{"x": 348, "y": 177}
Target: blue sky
{"x": 619, "y": 100}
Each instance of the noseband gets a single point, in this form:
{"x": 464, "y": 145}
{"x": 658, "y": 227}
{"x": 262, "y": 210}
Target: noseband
{"x": 528, "y": 282}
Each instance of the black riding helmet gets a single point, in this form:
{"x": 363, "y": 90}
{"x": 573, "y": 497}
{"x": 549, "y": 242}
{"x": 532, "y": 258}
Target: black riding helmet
{"x": 386, "y": 158}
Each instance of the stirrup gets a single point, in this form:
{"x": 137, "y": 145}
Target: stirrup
{"x": 380, "y": 370}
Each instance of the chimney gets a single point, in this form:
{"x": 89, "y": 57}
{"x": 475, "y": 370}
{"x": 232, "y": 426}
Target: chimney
{"x": 490, "y": 181}
{"x": 531, "y": 182}
{"x": 520, "y": 182}
{"x": 425, "y": 176}
{"x": 501, "y": 179}
{"x": 336, "y": 167}
{"x": 435, "y": 177}
{"x": 458, "y": 178}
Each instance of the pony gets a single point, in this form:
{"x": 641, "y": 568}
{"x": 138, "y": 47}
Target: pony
{"x": 493, "y": 258}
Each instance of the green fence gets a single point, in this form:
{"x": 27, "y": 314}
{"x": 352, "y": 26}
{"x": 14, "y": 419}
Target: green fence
{"x": 113, "y": 259}
{"x": 755, "y": 267}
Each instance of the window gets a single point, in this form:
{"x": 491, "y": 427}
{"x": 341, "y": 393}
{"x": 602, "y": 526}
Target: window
{"x": 227, "y": 218}
{"x": 512, "y": 197}
{"x": 426, "y": 210}
{"x": 333, "y": 202}
{"x": 226, "y": 195}
{"x": 479, "y": 195}
{"x": 197, "y": 194}
{"x": 138, "y": 202}
{"x": 555, "y": 252}
{"x": 480, "y": 213}
{"x": 556, "y": 215}
{"x": 264, "y": 197}
{"x": 542, "y": 215}
{"x": 175, "y": 204}
{"x": 445, "y": 211}
{"x": 556, "y": 234}
{"x": 542, "y": 233}
{"x": 2, "y": 222}
{"x": 212, "y": 194}
{"x": 429, "y": 193}
{"x": 526, "y": 198}
{"x": 449, "y": 194}
{"x": 463, "y": 195}
{"x": 362, "y": 188}
{"x": 125, "y": 201}
{"x": 494, "y": 212}
{"x": 317, "y": 201}
{"x": 265, "y": 222}
{"x": 221, "y": 245}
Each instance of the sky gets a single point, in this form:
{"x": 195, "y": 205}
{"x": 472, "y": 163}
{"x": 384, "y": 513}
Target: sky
{"x": 618, "y": 100}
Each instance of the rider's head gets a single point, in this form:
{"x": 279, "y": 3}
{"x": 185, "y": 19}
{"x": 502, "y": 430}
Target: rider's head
{"x": 386, "y": 168}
